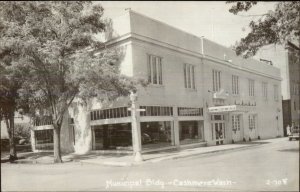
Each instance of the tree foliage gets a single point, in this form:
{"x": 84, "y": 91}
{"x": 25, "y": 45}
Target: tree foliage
{"x": 274, "y": 27}
{"x": 59, "y": 57}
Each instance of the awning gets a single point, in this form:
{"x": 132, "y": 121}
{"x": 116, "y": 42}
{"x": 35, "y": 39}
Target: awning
{"x": 230, "y": 108}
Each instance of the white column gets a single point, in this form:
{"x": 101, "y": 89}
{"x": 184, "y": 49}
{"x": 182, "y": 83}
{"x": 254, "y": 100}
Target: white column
{"x": 176, "y": 127}
{"x": 136, "y": 129}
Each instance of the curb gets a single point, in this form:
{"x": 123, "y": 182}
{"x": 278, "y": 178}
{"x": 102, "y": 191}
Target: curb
{"x": 203, "y": 153}
{"x": 128, "y": 164}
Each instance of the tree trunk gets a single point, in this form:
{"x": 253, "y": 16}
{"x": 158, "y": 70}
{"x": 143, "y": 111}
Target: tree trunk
{"x": 12, "y": 147}
{"x": 56, "y": 149}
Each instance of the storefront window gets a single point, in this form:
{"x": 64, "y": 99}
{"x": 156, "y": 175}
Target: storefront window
{"x": 190, "y": 132}
{"x": 113, "y": 136}
{"x": 157, "y": 134}
{"x": 44, "y": 139}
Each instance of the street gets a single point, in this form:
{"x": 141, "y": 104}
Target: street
{"x": 268, "y": 167}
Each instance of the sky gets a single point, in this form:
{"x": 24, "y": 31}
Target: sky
{"x": 210, "y": 19}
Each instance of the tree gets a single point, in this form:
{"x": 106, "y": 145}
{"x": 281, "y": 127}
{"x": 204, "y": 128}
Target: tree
{"x": 274, "y": 27}
{"x": 7, "y": 109}
{"x": 9, "y": 84}
{"x": 60, "y": 57}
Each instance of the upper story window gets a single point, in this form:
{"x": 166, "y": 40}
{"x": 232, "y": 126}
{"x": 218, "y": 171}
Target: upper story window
{"x": 235, "y": 85}
{"x": 155, "y": 69}
{"x": 236, "y": 123}
{"x": 189, "y": 76}
{"x": 276, "y": 93}
{"x": 251, "y": 87}
{"x": 216, "y": 75}
{"x": 265, "y": 90}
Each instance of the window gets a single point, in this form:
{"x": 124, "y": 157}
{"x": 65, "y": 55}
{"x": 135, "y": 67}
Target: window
{"x": 189, "y": 76}
{"x": 251, "y": 122}
{"x": 295, "y": 107}
{"x": 190, "y": 132}
{"x": 251, "y": 87}
{"x": 157, "y": 134}
{"x": 216, "y": 80}
{"x": 113, "y": 136}
{"x": 235, "y": 85}
{"x": 154, "y": 70}
{"x": 236, "y": 125}
{"x": 276, "y": 92}
{"x": 217, "y": 117}
{"x": 187, "y": 111}
{"x": 265, "y": 90}
{"x": 110, "y": 113}
{"x": 156, "y": 111}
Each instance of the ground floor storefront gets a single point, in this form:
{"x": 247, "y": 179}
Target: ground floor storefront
{"x": 153, "y": 135}
{"x": 155, "y": 128}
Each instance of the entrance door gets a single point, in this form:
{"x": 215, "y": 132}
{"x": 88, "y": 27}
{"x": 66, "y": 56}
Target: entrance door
{"x": 219, "y": 129}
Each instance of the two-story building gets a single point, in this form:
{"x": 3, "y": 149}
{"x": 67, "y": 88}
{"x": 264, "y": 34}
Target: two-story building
{"x": 200, "y": 93}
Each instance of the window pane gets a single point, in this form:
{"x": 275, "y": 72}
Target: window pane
{"x": 154, "y": 68}
{"x": 237, "y": 85}
{"x": 184, "y": 72}
{"x": 213, "y": 80}
{"x": 160, "y": 70}
{"x": 193, "y": 77}
{"x": 219, "y": 80}
{"x": 149, "y": 68}
{"x": 189, "y": 76}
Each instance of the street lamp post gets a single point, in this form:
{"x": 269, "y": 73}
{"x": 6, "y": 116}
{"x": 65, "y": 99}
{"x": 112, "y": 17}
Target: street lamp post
{"x": 136, "y": 128}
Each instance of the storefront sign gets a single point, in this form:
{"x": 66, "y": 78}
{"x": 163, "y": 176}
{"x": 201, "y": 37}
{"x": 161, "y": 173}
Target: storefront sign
{"x": 222, "y": 109}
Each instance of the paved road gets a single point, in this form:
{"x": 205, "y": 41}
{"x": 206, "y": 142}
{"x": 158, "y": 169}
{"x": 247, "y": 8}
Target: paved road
{"x": 269, "y": 167}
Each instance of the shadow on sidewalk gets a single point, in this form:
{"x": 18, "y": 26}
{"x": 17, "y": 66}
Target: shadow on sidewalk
{"x": 77, "y": 157}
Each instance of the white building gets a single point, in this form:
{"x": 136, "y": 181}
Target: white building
{"x": 200, "y": 94}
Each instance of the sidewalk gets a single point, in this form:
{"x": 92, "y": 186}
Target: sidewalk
{"x": 127, "y": 160}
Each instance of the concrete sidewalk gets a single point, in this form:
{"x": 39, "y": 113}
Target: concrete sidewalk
{"x": 167, "y": 155}
{"x": 127, "y": 160}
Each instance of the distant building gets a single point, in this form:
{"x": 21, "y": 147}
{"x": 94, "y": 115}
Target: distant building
{"x": 287, "y": 58}
{"x": 200, "y": 94}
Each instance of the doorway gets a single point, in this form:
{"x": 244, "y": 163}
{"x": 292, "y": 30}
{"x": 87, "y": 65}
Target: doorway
{"x": 219, "y": 129}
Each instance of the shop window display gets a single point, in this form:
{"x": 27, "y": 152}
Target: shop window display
{"x": 156, "y": 134}
{"x": 113, "y": 136}
{"x": 190, "y": 132}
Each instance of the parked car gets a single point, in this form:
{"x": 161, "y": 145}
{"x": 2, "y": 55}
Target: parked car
{"x": 124, "y": 138}
{"x": 294, "y": 133}
{"x": 21, "y": 141}
{"x": 146, "y": 138}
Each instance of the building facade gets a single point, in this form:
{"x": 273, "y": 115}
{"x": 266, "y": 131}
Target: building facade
{"x": 200, "y": 94}
{"x": 287, "y": 58}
